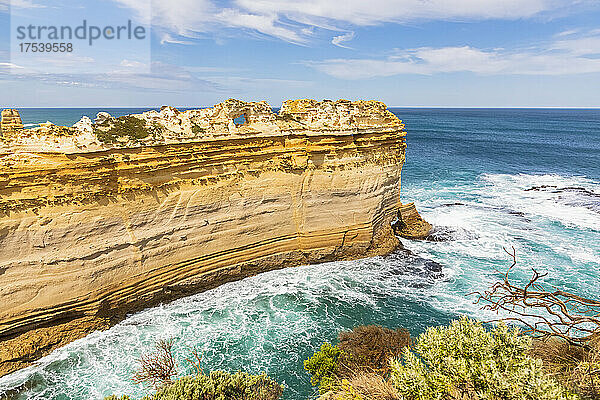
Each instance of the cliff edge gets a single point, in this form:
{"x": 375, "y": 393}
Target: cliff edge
{"x": 118, "y": 214}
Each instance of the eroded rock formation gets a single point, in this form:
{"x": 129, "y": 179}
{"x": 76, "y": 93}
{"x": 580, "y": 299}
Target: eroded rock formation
{"x": 410, "y": 224}
{"x": 11, "y": 122}
{"x": 109, "y": 217}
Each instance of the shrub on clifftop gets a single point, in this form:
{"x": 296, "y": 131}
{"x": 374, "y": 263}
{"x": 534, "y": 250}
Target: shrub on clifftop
{"x": 464, "y": 360}
{"x": 372, "y": 347}
{"x": 365, "y": 349}
{"x": 324, "y": 367}
{"x": 576, "y": 367}
{"x": 457, "y": 362}
{"x": 159, "y": 369}
{"x": 218, "y": 385}
{"x": 126, "y": 128}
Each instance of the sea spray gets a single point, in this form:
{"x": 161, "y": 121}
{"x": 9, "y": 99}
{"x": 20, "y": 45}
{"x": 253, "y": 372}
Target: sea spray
{"x": 469, "y": 171}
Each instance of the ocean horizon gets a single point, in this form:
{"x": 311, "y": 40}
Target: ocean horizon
{"x": 300, "y": 200}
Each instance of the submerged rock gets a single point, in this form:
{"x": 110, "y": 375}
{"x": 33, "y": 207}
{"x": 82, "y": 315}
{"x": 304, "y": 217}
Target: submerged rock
{"x": 423, "y": 272}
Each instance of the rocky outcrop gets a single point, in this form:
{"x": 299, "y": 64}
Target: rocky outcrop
{"x": 11, "y": 122}
{"x": 192, "y": 200}
{"x": 410, "y": 224}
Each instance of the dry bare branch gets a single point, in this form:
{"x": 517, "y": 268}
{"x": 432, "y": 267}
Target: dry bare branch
{"x": 195, "y": 360}
{"x": 545, "y": 312}
{"x": 157, "y": 368}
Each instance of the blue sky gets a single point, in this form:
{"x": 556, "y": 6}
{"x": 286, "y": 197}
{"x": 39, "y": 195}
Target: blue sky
{"x": 450, "y": 53}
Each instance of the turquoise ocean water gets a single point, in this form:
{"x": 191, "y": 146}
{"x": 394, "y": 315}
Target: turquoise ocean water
{"x": 486, "y": 178}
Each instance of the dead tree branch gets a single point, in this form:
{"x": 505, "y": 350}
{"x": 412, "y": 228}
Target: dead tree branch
{"x": 544, "y": 312}
{"x": 157, "y": 368}
{"x": 195, "y": 360}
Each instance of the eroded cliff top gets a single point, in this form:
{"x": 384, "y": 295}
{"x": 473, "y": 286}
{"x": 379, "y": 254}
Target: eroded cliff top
{"x": 229, "y": 119}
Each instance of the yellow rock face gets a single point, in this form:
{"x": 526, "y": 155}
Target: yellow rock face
{"x": 410, "y": 224}
{"x": 89, "y": 236}
{"x": 10, "y": 122}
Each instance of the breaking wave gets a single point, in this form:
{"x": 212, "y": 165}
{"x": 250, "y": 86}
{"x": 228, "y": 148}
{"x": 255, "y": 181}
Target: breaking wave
{"x": 272, "y": 322}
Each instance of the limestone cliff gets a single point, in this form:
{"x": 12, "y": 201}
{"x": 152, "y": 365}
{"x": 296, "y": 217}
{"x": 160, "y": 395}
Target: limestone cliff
{"x": 112, "y": 216}
{"x": 10, "y": 122}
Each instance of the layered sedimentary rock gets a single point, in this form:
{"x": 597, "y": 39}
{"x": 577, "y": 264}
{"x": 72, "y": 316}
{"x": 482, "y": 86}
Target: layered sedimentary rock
{"x": 11, "y": 122}
{"x": 410, "y": 224}
{"x": 112, "y": 216}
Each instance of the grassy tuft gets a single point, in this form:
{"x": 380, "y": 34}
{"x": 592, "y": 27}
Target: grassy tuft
{"x": 372, "y": 347}
{"x": 576, "y": 367}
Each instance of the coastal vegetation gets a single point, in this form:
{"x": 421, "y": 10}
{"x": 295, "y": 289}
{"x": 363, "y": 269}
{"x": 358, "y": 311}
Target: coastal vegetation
{"x": 127, "y": 128}
{"x": 468, "y": 359}
{"x": 364, "y": 350}
{"x": 159, "y": 369}
{"x": 197, "y": 129}
{"x": 565, "y": 327}
{"x": 575, "y": 366}
{"x": 462, "y": 360}
{"x": 218, "y": 385}
{"x": 556, "y": 356}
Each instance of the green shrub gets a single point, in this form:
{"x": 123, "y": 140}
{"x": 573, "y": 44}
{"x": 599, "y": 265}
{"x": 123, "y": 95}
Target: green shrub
{"x": 323, "y": 366}
{"x": 197, "y": 129}
{"x": 465, "y": 360}
{"x": 128, "y": 127}
{"x": 218, "y": 385}
{"x": 365, "y": 349}
{"x": 113, "y": 397}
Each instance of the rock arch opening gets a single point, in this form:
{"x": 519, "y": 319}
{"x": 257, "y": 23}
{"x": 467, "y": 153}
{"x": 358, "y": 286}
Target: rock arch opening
{"x": 240, "y": 120}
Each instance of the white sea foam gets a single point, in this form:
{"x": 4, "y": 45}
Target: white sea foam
{"x": 269, "y": 323}
{"x": 572, "y": 201}
{"x": 551, "y": 220}
{"x": 273, "y": 321}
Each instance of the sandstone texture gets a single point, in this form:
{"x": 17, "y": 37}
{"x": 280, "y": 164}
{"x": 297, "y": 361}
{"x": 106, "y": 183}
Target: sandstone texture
{"x": 119, "y": 214}
{"x": 10, "y": 122}
{"x": 410, "y": 224}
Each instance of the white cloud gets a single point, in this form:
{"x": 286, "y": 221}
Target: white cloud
{"x": 168, "y": 38}
{"x": 193, "y": 18}
{"x": 165, "y": 78}
{"x": 132, "y": 64}
{"x": 180, "y": 17}
{"x": 374, "y": 12}
{"x": 563, "y": 57}
{"x": 264, "y": 23}
{"x": 567, "y": 33}
{"x": 6, "y": 68}
{"x": 245, "y": 82}
{"x": 293, "y": 20}
{"x": 581, "y": 46}
{"x": 19, "y": 4}
{"x": 338, "y": 40}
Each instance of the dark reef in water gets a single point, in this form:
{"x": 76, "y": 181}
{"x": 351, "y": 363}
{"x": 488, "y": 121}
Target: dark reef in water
{"x": 406, "y": 262}
{"x": 572, "y": 196}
